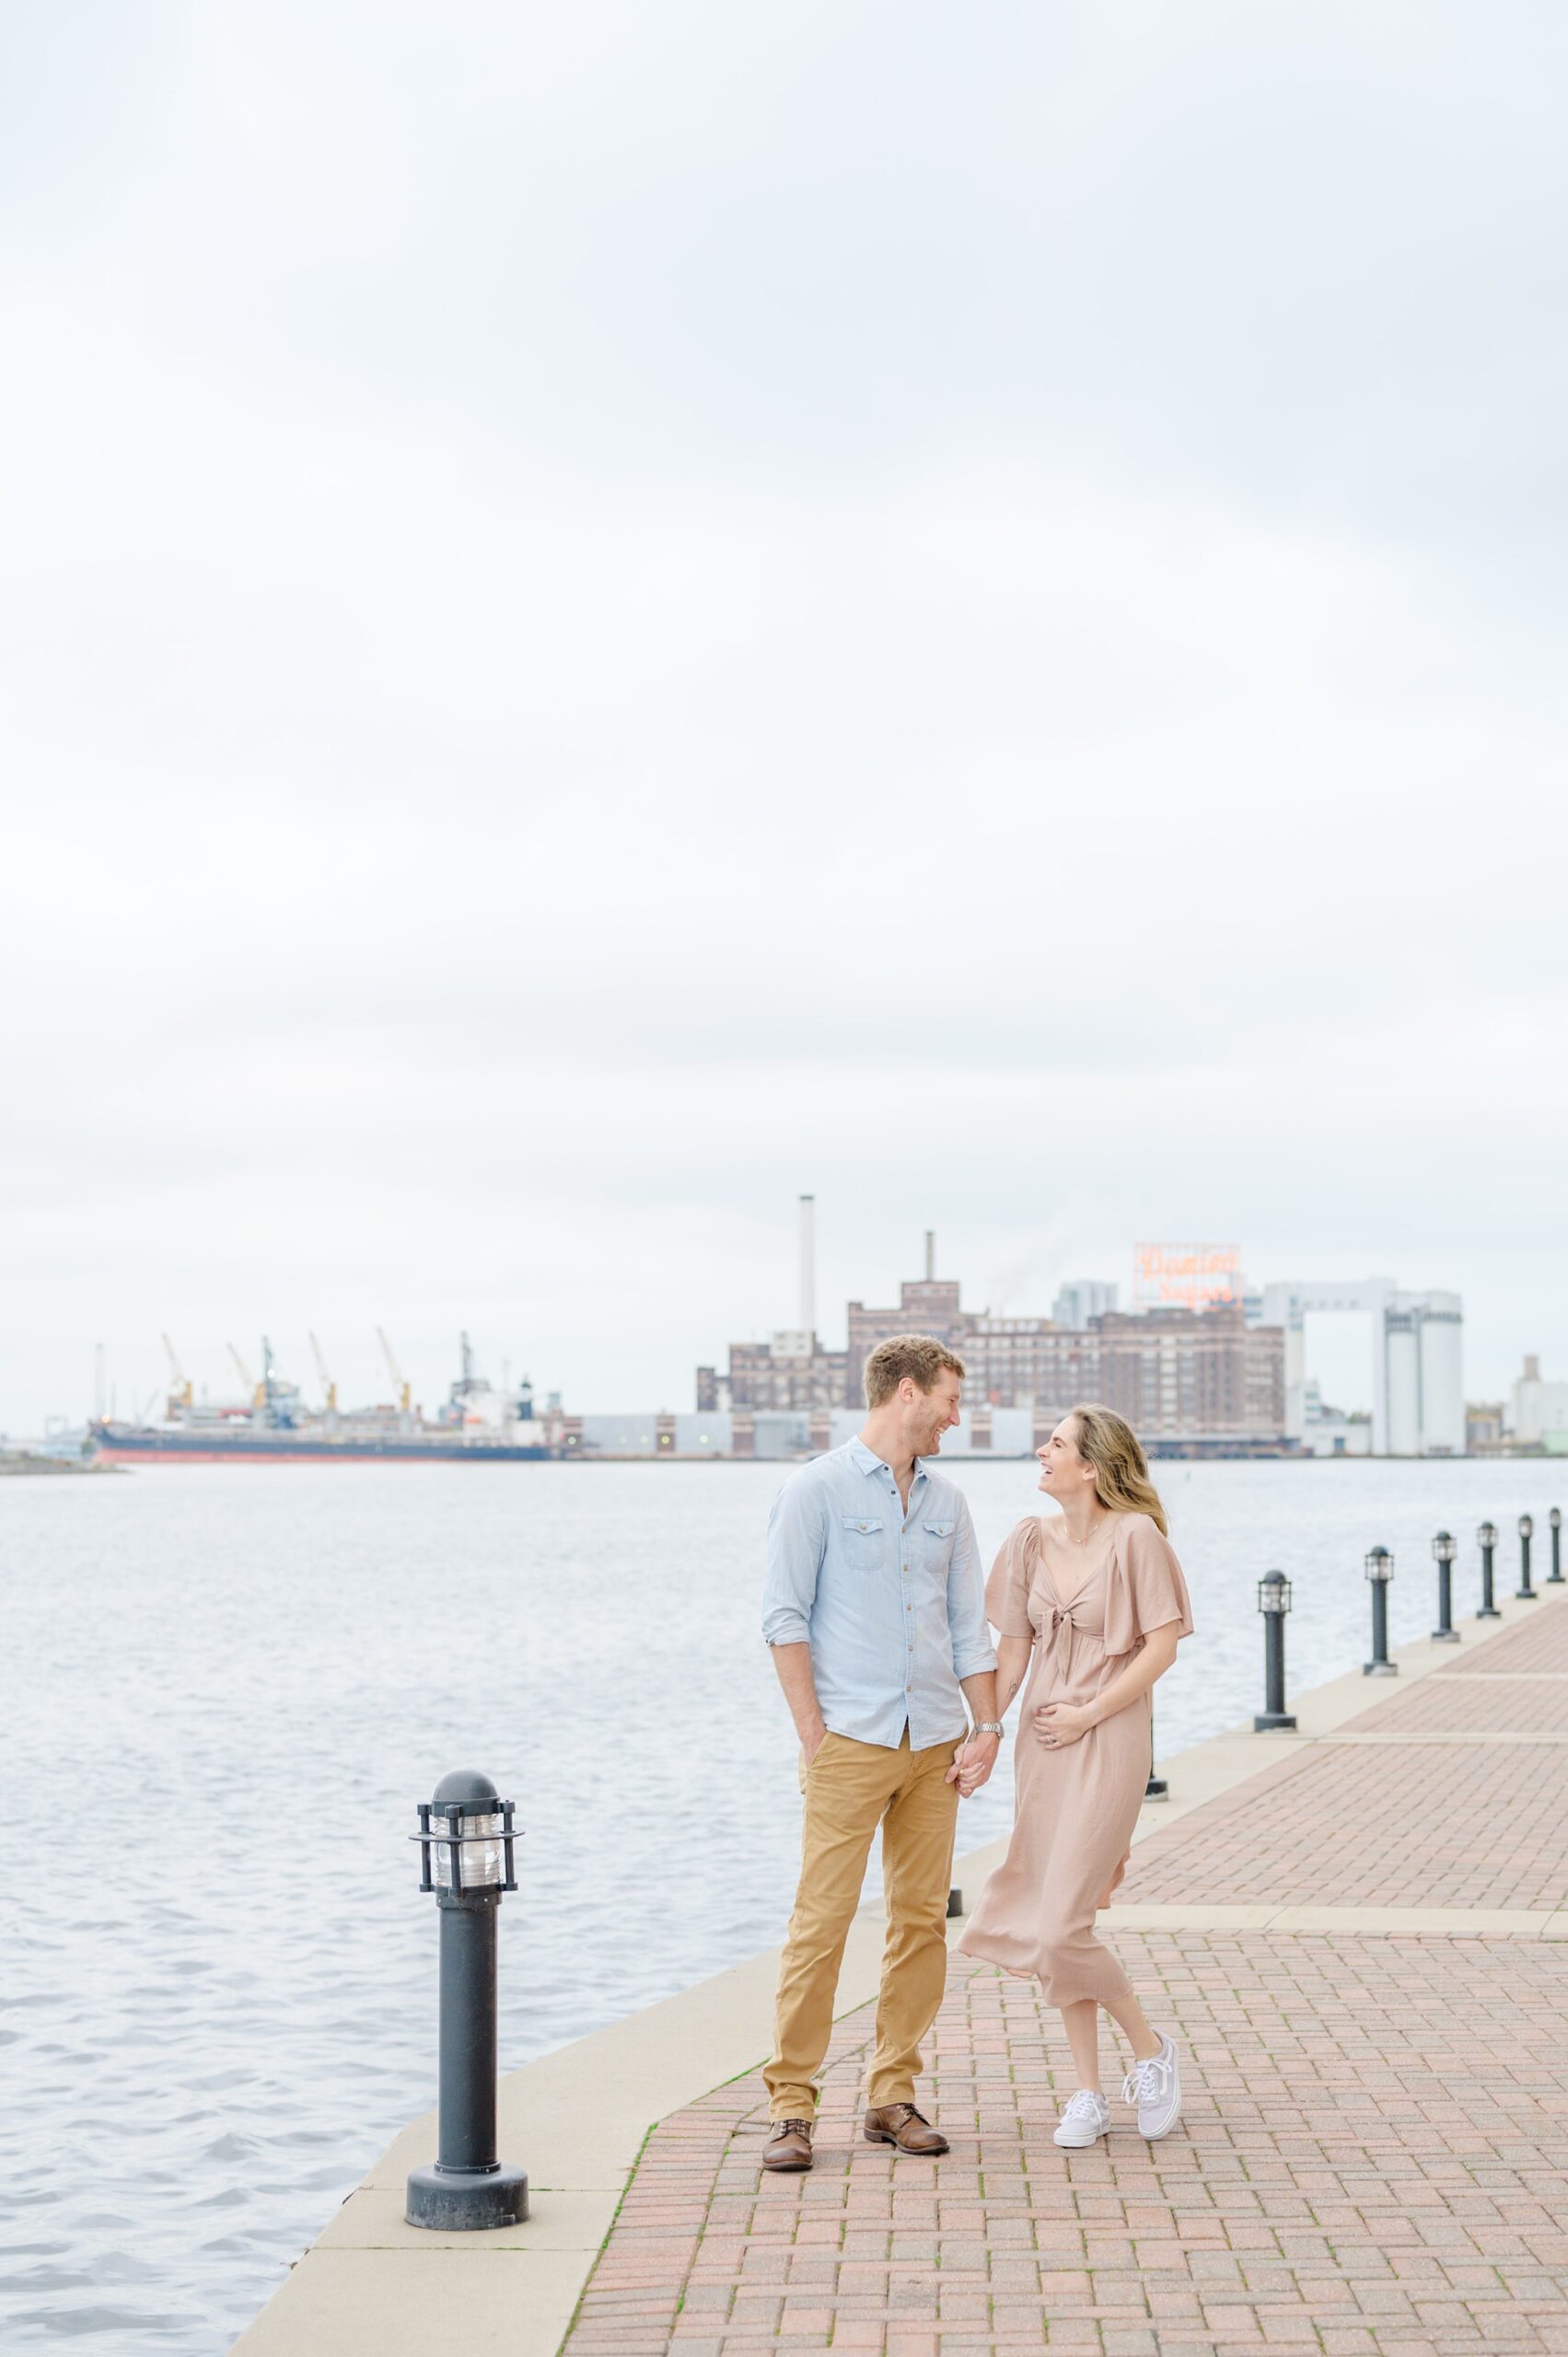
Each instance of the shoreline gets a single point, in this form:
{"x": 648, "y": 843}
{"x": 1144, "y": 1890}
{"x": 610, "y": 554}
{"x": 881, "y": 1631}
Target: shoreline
{"x": 19, "y": 1465}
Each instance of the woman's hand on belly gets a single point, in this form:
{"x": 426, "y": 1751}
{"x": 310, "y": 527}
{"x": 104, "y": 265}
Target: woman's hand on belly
{"x": 1059, "y": 1723}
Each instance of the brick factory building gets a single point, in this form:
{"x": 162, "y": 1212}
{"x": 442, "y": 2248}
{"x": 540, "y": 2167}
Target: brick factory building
{"x": 1184, "y": 1378}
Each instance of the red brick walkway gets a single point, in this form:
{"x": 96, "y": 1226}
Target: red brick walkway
{"x": 1398, "y": 1824}
{"x": 1374, "y": 2156}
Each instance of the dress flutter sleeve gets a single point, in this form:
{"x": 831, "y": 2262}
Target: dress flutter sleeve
{"x": 1007, "y": 1589}
{"x": 1145, "y": 1590}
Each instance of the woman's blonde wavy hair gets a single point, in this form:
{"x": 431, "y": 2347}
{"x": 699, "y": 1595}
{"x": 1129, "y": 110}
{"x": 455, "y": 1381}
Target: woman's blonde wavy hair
{"x": 1122, "y": 1474}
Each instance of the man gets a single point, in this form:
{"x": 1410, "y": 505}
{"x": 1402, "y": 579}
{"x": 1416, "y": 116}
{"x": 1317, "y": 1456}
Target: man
{"x": 875, "y": 1609}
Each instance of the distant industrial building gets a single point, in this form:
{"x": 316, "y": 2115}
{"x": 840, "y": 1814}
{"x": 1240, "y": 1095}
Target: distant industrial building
{"x": 1415, "y": 1371}
{"x": 1537, "y": 1412}
{"x": 1330, "y": 1432}
{"x": 1189, "y": 1381}
{"x": 1486, "y": 1427}
{"x": 1207, "y": 1365}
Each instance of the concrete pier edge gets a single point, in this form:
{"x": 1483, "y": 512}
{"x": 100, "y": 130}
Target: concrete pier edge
{"x": 577, "y": 2120}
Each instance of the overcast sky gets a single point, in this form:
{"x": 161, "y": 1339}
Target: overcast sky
{"x": 608, "y": 613}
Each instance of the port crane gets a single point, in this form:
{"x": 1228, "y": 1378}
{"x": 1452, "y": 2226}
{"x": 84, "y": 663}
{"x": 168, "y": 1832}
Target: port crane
{"x": 328, "y": 1385}
{"x": 404, "y": 1391}
{"x": 182, "y": 1393}
{"x": 246, "y": 1377}
{"x": 276, "y": 1397}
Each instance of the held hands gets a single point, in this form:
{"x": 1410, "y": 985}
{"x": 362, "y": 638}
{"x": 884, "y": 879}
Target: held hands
{"x": 973, "y": 1764}
{"x": 1059, "y": 1723}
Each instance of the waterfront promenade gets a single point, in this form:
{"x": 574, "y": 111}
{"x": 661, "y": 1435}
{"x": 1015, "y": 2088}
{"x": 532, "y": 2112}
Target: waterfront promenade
{"x": 1359, "y": 1933}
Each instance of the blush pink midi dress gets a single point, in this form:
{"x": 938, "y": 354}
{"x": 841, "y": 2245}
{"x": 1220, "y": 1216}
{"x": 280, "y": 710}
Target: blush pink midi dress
{"x": 1086, "y": 1610}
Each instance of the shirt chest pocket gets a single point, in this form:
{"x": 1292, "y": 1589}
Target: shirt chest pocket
{"x": 938, "y": 1544}
{"x": 862, "y": 1537}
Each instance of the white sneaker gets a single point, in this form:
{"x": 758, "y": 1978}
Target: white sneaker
{"x": 1085, "y": 2121}
{"x": 1155, "y": 2085}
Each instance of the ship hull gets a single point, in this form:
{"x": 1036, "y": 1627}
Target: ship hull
{"x": 128, "y": 1447}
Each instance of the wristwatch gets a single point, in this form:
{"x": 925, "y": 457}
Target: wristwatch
{"x": 988, "y": 1727}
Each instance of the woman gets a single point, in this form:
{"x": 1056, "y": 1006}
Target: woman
{"x": 1096, "y": 1597}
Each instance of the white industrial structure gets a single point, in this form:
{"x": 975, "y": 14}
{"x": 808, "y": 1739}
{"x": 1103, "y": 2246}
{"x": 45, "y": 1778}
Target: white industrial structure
{"x": 1417, "y": 1373}
{"x": 1538, "y": 1411}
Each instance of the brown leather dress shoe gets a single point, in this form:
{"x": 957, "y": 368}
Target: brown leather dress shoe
{"x": 901, "y": 2124}
{"x": 788, "y": 2146}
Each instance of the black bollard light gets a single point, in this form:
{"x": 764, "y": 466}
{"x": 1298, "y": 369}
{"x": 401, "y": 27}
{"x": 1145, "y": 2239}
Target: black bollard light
{"x": 466, "y": 1856}
{"x": 1158, "y": 1788}
{"x": 1274, "y": 1602}
{"x": 1444, "y": 1550}
{"x": 1554, "y": 1577}
{"x": 1523, "y": 1589}
{"x": 1379, "y": 1572}
{"x": 1486, "y": 1540}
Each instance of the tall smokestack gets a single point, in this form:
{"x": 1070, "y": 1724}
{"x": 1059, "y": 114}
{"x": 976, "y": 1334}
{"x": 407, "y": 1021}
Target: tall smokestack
{"x": 930, "y": 1254}
{"x": 808, "y": 1264}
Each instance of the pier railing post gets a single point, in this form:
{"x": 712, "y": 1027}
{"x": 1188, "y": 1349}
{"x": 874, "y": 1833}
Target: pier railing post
{"x": 1444, "y": 1550}
{"x": 1525, "y": 1592}
{"x": 1379, "y": 1572}
{"x": 1486, "y": 1540}
{"x": 1274, "y": 1602}
{"x": 466, "y": 1861}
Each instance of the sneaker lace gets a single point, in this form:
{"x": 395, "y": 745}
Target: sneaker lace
{"x": 1085, "y": 2104}
{"x": 1148, "y": 2080}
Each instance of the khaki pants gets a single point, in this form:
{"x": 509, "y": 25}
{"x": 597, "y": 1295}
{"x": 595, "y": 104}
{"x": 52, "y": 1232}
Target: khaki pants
{"x": 851, "y": 1788}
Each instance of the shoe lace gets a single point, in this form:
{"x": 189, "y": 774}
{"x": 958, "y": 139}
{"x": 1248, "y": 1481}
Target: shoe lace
{"x": 1085, "y": 2104}
{"x": 1148, "y": 2080}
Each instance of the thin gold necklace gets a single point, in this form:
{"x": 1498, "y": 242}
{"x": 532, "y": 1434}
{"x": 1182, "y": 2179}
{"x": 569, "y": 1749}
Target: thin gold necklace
{"x": 1092, "y": 1529}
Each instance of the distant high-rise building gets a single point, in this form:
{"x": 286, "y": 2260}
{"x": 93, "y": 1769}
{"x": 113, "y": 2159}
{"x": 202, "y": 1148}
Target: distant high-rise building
{"x": 1080, "y": 1299}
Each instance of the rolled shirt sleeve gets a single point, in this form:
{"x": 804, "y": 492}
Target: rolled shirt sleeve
{"x": 797, "y": 1535}
{"x": 972, "y": 1648}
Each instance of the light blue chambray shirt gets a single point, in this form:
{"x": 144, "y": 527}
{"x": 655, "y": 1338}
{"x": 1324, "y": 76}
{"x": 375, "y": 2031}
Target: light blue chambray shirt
{"x": 891, "y": 1605}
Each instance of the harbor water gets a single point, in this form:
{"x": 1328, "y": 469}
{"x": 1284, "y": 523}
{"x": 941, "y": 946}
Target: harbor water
{"x": 226, "y": 1687}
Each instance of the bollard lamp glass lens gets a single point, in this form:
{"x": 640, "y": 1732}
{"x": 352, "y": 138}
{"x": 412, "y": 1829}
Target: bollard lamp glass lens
{"x": 1379, "y": 1565}
{"x": 479, "y": 1853}
{"x": 1526, "y": 1525}
{"x": 1273, "y": 1593}
{"x": 1487, "y": 1535}
{"x": 1442, "y": 1547}
{"x": 1555, "y": 1517}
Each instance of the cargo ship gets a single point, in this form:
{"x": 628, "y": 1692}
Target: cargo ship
{"x": 478, "y": 1424}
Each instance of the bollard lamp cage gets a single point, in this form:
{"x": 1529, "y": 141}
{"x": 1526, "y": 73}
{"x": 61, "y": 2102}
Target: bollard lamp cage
{"x": 1487, "y": 1535}
{"x": 1526, "y": 1525}
{"x": 1273, "y": 1593}
{"x": 1443, "y": 1547}
{"x": 466, "y": 1845}
{"x": 1555, "y": 1517}
{"x": 1379, "y": 1565}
